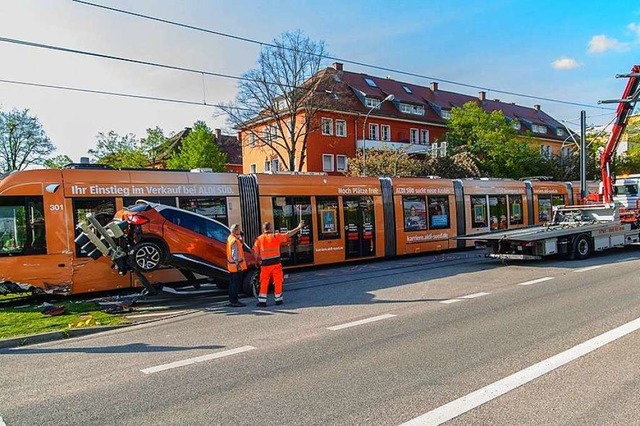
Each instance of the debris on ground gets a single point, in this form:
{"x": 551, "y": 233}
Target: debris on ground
{"x": 53, "y": 310}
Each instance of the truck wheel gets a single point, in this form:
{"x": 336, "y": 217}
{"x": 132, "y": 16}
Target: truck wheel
{"x": 251, "y": 283}
{"x": 582, "y": 247}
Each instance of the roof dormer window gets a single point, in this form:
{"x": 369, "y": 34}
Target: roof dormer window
{"x": 516, "y": 125}
{"x": 406, "y": 89}
{"x": 370, "y": 82}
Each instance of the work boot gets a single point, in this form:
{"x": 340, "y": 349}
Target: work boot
{"x": 261, "y": 305}
{"x": 279, "y": 302}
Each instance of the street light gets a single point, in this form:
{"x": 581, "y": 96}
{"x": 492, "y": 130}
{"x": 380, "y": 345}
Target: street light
{"x": 364, "y": 136}
{"x": 395, "y": 165}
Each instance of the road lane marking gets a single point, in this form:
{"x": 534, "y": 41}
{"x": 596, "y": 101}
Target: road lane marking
{"x": 626, "y": 259}
{"x": 475, "y": 399}
{"x": 474, "y": 295}
{"x": 447, "y": 302}
{"x": 588, "y": 268}
{"x": 539, "y": 280}
{"x": 360, "y": 322}
{"x": 190, "y": 361}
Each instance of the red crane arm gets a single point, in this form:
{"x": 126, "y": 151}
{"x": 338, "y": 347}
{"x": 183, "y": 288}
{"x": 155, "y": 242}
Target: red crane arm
{"x": 625, "y": 107}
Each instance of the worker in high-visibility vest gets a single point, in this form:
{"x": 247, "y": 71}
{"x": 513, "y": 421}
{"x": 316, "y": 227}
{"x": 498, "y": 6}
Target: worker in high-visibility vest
{"x": 235, "y": 264}
{"x": 267, "y": 251}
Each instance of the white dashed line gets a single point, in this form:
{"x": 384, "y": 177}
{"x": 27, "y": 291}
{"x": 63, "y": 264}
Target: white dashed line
{"x": 190, "y": 361}
{"x": 588, "y": 268}
{"x": 448, "y": 302}
{"x": 474, "y": 295}
{"x": 539, "y": 280}
{"x": 501, "y": 387}
{"x": 364, "y": 321}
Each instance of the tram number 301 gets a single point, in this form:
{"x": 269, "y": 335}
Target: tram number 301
{"x": 56, "y": 207}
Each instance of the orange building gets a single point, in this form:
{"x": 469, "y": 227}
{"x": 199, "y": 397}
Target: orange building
{"x": 370, "y": 112}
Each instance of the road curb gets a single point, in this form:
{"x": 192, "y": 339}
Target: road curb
{"x": 51, "y": 336}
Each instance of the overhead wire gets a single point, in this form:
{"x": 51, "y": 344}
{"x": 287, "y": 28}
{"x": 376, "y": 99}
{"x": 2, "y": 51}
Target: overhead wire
{"x": 343, "y": 60}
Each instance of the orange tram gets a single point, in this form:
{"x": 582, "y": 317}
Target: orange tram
{"x": 347, "y": 218}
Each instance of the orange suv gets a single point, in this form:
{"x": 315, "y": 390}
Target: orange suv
{"x": 163, "y": 235}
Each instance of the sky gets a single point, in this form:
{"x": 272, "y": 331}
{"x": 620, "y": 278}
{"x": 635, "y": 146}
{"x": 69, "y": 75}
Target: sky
{"x": 557, "y": 49}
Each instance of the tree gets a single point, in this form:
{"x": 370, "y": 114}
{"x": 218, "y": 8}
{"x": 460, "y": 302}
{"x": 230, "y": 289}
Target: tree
{"x": 284, "y": 92}
{"x": 494, "y": 142}
{"x": 460, "y": 163}
{"x": 199, "y": 150}
{"x": 153, "y": 144}
{"x": 119, "y": 151}
{"x": 23, "y": 141}
{"x": 385, "y": 162}
{"x": 57, "y": 162}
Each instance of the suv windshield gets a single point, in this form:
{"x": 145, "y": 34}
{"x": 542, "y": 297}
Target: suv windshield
{"x": 629, "y": 189}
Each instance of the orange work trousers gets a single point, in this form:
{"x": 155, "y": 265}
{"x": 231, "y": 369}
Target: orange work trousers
{"x": 266, "y": 274}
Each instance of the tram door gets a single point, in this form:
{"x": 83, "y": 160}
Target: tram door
{"x": 359, "y": 225}
{"x": 287, "y": 213}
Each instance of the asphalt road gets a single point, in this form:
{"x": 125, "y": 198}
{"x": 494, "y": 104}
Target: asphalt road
{"x": 385, "y": 343}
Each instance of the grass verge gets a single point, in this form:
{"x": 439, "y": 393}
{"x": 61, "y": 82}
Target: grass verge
{"x": 27, "y": 320}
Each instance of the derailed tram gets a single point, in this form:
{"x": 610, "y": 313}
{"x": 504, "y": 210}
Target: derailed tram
{"x": 347, "y": 218}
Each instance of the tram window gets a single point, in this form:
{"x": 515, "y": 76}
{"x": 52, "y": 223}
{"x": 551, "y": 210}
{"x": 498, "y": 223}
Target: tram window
{"x": 328, "y": 218}
{"x": 22, "y": 229}
{"x": 544, "y": 208}
{"x": 213, "y": 207}
{"x": 439, "y": 212}
{"x": 414, "y": 209}
{"x": 498, "y": 211}
{"x": 168, "y": 201}
{"x": 515, "y": 210}
{"x": 103, "y": 209}
{"x": 479, "y": 212}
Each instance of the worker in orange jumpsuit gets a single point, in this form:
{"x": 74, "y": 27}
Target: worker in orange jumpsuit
{"x": 267, "y": 251}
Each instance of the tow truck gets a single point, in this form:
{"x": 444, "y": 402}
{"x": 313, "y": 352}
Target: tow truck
{"x": 575, "y": 232}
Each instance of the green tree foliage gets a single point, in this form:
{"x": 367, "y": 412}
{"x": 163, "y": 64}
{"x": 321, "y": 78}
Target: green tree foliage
{"x": 57, "y": 162}
{"x": 630, "y": 162}
{"x": 458, "y": 164}
{"x": 500, "y": 152}
{"x": 199, "y": 150}
{"x": 23, "y": 141}
{"x": 119, "y": 151}
{"x": 154, "y": 144}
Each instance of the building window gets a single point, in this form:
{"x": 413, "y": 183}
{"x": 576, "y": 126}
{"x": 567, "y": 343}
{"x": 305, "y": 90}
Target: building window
{"x": 414, "y": 136}
{"x": 566, "y": 151}
{"x": 386, "y": 132}
{"x": 439, "y": 149}
{"x": 327, "y": 126}
{"x": 536, "y": 128}
{"x": 372, "y": 103}
{"x": 406, "y": 89}
{"x": 270, "y": 133}
{"x": 560, "y": 132}
{"x": 417, "y": 109}
{"x": 445, "y": 114}
{"x": 275, "y": 165}
{"x": 373, "y": 132}
{"x": 406, "y": 108}
{"x": 253, "y": 168}
{"x": 424, "y": 137}
{"x": 252, "y": 139}
{"x": 341, "y": 163}
{"x": 267, "y": 166}
{"x": 327, "y": 162}
{"x": 370, "y": 82}
{"x": 545, "y": 151}
{"x": 341, "y": 128}
{"x": 516, "y": 125}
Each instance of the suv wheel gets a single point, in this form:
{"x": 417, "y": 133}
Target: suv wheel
{"x": 146, "y": 256}
{"x": 251, "y": 283}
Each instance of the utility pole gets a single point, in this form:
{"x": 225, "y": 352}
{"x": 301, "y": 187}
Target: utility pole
{"x": 583, "y": 154}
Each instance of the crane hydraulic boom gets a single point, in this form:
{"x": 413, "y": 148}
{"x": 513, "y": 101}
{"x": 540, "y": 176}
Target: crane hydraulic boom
{"x": 625, "y": 108}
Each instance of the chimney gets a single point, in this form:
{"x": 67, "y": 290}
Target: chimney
{"x": 218, "y": 135}
{"x": 434, "y": 86}
{"x": 536, "y": 107}
{"x": 482, "y": 95}
{"x": 337, "y": 66}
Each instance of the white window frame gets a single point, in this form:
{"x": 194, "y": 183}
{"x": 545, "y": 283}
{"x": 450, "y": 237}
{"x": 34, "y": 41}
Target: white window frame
{"x": 252, "y": 139}
{"x": 560, "y": 132}
{"x": 406, "y": 108}
{"x": 372, "y": 103}
{"x": 414, "y": 136}
{"x": 344, "y": 159}
{"x": 424, "y": 136}
{"x": 267, "y": 166}
{"x": 445, "y": 114}
{"x": 341, "y": 128}
{"x": 275, "y": 165}
{"x": 417, "y": 109}
{"x": 374, "y": 132}
{"x": 537, "y": 128}
{"x": 385, "y": 132}
{"x": 327, "y": 157}
{"x": 327, "y": 126}
{"x": 253, "y": 168}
